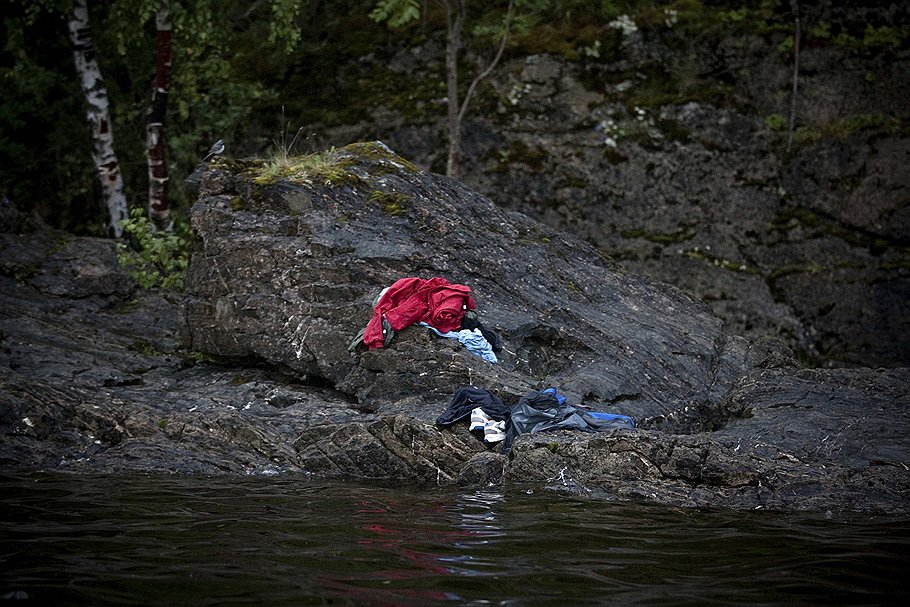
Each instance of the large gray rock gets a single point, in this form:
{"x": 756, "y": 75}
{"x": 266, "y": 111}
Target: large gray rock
{"x": 671, "y": 156}
{"x": 92, "y": 378}
{"x": 286, "y": 272}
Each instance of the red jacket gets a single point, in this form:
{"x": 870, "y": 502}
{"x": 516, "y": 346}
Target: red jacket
{"x": 436, "y": 302}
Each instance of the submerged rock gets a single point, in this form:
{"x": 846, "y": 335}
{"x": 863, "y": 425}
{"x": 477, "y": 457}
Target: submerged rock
{"x": 287, "y": 262}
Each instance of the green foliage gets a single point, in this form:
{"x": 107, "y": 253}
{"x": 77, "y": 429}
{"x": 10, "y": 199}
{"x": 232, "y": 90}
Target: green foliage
{"x": 329, "y": 168}
{"x": 45, "y": 148}
{"x": 495, "y": 23}
{"x": 396, "y": 13}
{"x": 737, "y": 15}
{"x": 45, "y": 162}
{"x": 786, "y": 45}
{"x": 227, "y": 82}
{"x": 283, "y": 27}
{"x": 857, "y": 122}
{"x": 840, "y": 129}
{"x": 820, "y": 31}
{"x": 282, "y": 148}
{"x": 192, "y": 358}
{"x": 882, "y": 36}
{"x": 208, "y": 97}
{"x": 870, "y": 37}
{"x": 776, "y": 122}
{"x": 282, "y": 164}
{"x": 153, "y": 259}
{"x": 42, "y": 120}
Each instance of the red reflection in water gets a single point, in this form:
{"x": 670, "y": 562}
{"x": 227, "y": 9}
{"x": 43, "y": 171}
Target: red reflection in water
{"x": 406, "y": 563}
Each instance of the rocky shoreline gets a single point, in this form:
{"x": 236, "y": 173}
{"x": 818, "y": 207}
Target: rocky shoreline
{"x": 249, "y": 371}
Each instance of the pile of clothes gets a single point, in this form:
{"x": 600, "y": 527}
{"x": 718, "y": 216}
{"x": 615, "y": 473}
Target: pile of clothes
{"x": 446, "y": 309}
{"x": 536, "y": 411}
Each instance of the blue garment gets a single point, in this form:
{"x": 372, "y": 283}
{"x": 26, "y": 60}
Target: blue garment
{"x": 472, "y": 339}
{"x": 559, "y": 397}
{"x": 613, "y": 417}
{"x": 540, "y": 411}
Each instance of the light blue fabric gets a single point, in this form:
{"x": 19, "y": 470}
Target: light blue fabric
{"x": 472, "y": 339}
{"x": 615, "y": 418}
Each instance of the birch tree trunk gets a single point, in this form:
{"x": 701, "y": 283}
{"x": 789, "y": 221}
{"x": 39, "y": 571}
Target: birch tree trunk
{"x": 98, "y": 115}
{"x": 159, "y": 206}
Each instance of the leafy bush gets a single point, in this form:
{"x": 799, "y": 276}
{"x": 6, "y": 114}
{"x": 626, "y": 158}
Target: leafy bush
{"x": 153, "y": 259}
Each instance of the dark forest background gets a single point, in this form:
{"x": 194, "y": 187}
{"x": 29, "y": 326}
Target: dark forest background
{"x": 255, "y": 72}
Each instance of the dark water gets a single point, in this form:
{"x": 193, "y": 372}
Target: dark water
{"x": 282, "y": 541}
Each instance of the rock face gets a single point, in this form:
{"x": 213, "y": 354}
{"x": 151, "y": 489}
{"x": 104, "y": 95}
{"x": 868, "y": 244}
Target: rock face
{"x": 672, "y": 158}
{"x": 286, "y": 263}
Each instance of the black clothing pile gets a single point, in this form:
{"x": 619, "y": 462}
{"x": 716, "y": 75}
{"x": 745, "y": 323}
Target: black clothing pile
{"x": 537, "y": 411}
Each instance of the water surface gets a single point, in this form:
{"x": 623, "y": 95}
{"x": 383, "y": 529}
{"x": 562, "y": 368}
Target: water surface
{"x": 103, "y": 540}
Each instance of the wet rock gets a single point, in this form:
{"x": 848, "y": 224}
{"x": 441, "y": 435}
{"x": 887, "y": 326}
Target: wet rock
{"x": 801, "y": 441}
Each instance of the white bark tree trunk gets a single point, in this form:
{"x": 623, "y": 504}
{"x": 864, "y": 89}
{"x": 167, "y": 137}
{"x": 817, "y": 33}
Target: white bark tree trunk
{"x": 98, "y": 115}
{"x": 159, "y": 205}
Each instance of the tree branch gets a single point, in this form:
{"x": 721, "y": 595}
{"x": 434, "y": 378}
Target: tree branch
{"x": 486, "y": 72}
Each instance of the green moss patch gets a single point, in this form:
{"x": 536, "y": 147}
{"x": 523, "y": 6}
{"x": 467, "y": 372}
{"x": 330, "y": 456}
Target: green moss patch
{"x": 393, "y": 203}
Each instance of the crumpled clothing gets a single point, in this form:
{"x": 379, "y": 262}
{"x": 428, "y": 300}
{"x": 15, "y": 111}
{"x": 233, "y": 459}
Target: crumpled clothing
{"x": 466, "y": 400}
{"x": 613, "y": 417}
{"x": 410, "y": 300}
{"x": 559, "y": 397}
{"x": 470, "y": 321}
{"x": 617, "y": 418}
{"x": 540, "y": 411}
{"x": 472, "y": 339}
